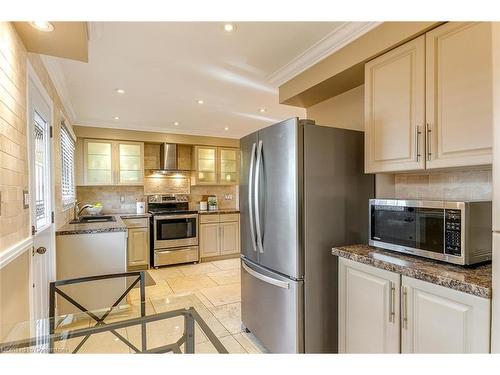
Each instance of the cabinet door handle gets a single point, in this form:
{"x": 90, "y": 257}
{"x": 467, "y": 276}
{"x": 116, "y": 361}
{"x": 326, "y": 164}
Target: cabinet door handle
{"x": 417, "y": 143}
{"x": 392, "y": 299}
{"x": 405, "y": 307}
{"x": 428, "y": 140}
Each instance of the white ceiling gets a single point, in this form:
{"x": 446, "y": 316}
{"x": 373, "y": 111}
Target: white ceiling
{"x": 165, "y": 67}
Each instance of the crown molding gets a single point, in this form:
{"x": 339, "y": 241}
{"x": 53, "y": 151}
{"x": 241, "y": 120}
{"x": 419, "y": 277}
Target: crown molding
{"x": 56, "y": 75}
{"x": 152, "y": 129}
{"x": 332, "y": 42}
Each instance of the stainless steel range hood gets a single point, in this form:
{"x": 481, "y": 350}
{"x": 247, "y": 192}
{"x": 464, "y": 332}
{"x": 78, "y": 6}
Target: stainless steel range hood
{"x": 169, "y": 159}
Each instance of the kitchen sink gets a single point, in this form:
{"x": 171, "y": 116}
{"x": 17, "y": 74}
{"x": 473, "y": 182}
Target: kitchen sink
{"x": 93, "y": 219}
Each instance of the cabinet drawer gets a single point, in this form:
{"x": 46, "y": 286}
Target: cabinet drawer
{"x": 224, "y": 218}
{"x": 214, "y": 218}
{"x": 136, "y": 223}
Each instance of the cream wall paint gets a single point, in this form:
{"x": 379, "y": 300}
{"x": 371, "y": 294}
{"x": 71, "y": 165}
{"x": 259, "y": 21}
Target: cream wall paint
{"x": 14, "y": 174}
{"x": 342, "y": 111}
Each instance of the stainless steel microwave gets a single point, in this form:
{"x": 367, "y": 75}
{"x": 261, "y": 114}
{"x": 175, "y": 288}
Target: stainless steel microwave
{"x": 453, "y": 232}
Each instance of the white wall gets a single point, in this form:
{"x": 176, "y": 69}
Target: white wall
{"x": 342, "y": 111}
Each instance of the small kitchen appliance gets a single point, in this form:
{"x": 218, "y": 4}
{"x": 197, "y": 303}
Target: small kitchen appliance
{"x": 449, "y": 231}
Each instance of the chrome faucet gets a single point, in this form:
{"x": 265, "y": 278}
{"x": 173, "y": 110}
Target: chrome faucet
{"x": 79, "y": 210}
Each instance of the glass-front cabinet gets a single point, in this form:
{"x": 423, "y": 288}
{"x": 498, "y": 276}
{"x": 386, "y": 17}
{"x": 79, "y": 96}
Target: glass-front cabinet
{"x": 113, "y": 162}
{"x": 215, "y": 166}
{"x": 228, "y": 166}
{"x": 98, "y": 162}
{"x": 130, "y": 163}
{"x": 206, "y": 165}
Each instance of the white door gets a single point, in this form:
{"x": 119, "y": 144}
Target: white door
{"x": 395, "y": 109}
{"x": 41, "y": 193}
{"x": 436, "y": 319}
{"x": 368, "y": 309}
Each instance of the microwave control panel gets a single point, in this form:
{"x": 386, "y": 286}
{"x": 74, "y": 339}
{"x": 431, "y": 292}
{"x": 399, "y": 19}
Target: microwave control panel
{"x": 453, "y": 232}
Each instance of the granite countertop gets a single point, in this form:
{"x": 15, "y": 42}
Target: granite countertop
{"x": 475, "y": 280}
{"x": 227, "y": 211}
{"x": 104, "y": 227}
{"x": 145, "y": 215}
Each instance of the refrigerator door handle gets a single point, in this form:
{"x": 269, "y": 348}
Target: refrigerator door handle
{"x": 250, "y": 207}
{"x": 256, "y": 197}
{"x": 266, "y": 279}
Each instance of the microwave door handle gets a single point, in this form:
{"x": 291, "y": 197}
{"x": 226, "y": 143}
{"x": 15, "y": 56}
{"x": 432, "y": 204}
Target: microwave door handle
{"x": 250, "y": 206}
{"x": 257, "y": 198}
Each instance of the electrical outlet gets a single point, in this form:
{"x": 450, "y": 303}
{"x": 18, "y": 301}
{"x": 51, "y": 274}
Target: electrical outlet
{"x": 228, "y": 197}
{"x": 122, "y": 198}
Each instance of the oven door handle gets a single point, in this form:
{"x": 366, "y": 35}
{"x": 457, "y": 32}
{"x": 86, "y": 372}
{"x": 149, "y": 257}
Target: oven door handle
{"x": 167, "y": 217}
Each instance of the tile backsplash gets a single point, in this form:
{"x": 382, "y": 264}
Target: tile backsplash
{"x": 451, "y": 185}
{"x": 111, "y": 197}
{"x": 197, "y": 192}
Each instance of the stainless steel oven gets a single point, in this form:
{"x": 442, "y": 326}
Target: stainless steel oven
{"x": 171, "y": 231}
{"x": 453, "y": 232}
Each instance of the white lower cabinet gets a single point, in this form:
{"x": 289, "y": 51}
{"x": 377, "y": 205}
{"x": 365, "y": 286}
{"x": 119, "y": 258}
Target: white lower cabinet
{"x": 368, "y": 309}
{"x": 219, "y": 235}
{"x": 436, "y": 319}
{"x": 209, "y": 240}
{"x": 384, "y": 312}
{"x": 138, "y": 248}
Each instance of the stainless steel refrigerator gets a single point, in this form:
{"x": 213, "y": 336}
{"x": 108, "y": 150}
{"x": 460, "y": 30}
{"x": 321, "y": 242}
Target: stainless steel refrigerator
{"x": 302, "y": 191}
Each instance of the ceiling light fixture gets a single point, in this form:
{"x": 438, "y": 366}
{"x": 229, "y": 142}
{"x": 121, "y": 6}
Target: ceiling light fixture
{"x": 226, "y": 128}
{"x": 262, "y": 110}
{"x": 120, "y": 91}
{"x": 176, "y": 123}
{"x": 44, "y": 26}
{"x": 116, "y": 118}
{"x": 199, "y": 101}
{"x": 229, "y": 27}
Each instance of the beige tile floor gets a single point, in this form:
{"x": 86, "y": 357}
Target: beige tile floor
{"x": 212, "y": 288}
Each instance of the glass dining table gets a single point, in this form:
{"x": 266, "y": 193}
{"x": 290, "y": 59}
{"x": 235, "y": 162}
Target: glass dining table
{"x": 133, "y": 324}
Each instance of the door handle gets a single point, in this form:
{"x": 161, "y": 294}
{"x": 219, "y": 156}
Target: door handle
{"x": 250, "y": 206}
{"x": 256, "y": 198}
{"x": 266, "y": 279}
{"x": 428, "y": 139}
{"x": 41, "y": 250}
{"x": 405, "y": 307}
{"x": 417, "y": 143}
{"x": 392, "y": 299}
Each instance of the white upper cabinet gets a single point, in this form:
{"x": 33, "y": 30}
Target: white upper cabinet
{"x": 112, "y": 163}
{"x": 428, "y": 103}
{"x": 436, "y": 319}
{"x": 394, "y": 109}
{"x": 459, "y": 95}
{"x": 368, "y": 309}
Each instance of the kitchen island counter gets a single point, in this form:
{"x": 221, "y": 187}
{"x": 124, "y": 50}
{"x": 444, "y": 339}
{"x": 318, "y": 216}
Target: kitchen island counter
{"x": 475, "y": 280}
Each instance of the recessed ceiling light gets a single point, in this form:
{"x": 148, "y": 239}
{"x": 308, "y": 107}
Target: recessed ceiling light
{"x": 42, "y": 26}
{"x": 176, "y": 123}
{"x": 229, "y": 27}
{"x": 120, "y": 91}
{"x": 199, "y": 101}
{"x": 226, "y": 128}
{"x": 262, "y": 110}
{"x": 116, "y": 118}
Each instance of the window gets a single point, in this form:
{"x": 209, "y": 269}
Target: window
{"x": 67, "y": 167}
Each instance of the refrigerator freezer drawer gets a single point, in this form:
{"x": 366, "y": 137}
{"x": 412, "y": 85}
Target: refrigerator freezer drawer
{"x": 272, "y": 308}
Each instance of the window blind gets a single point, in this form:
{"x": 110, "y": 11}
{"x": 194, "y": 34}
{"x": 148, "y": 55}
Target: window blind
{"x": 67, "y": 167}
